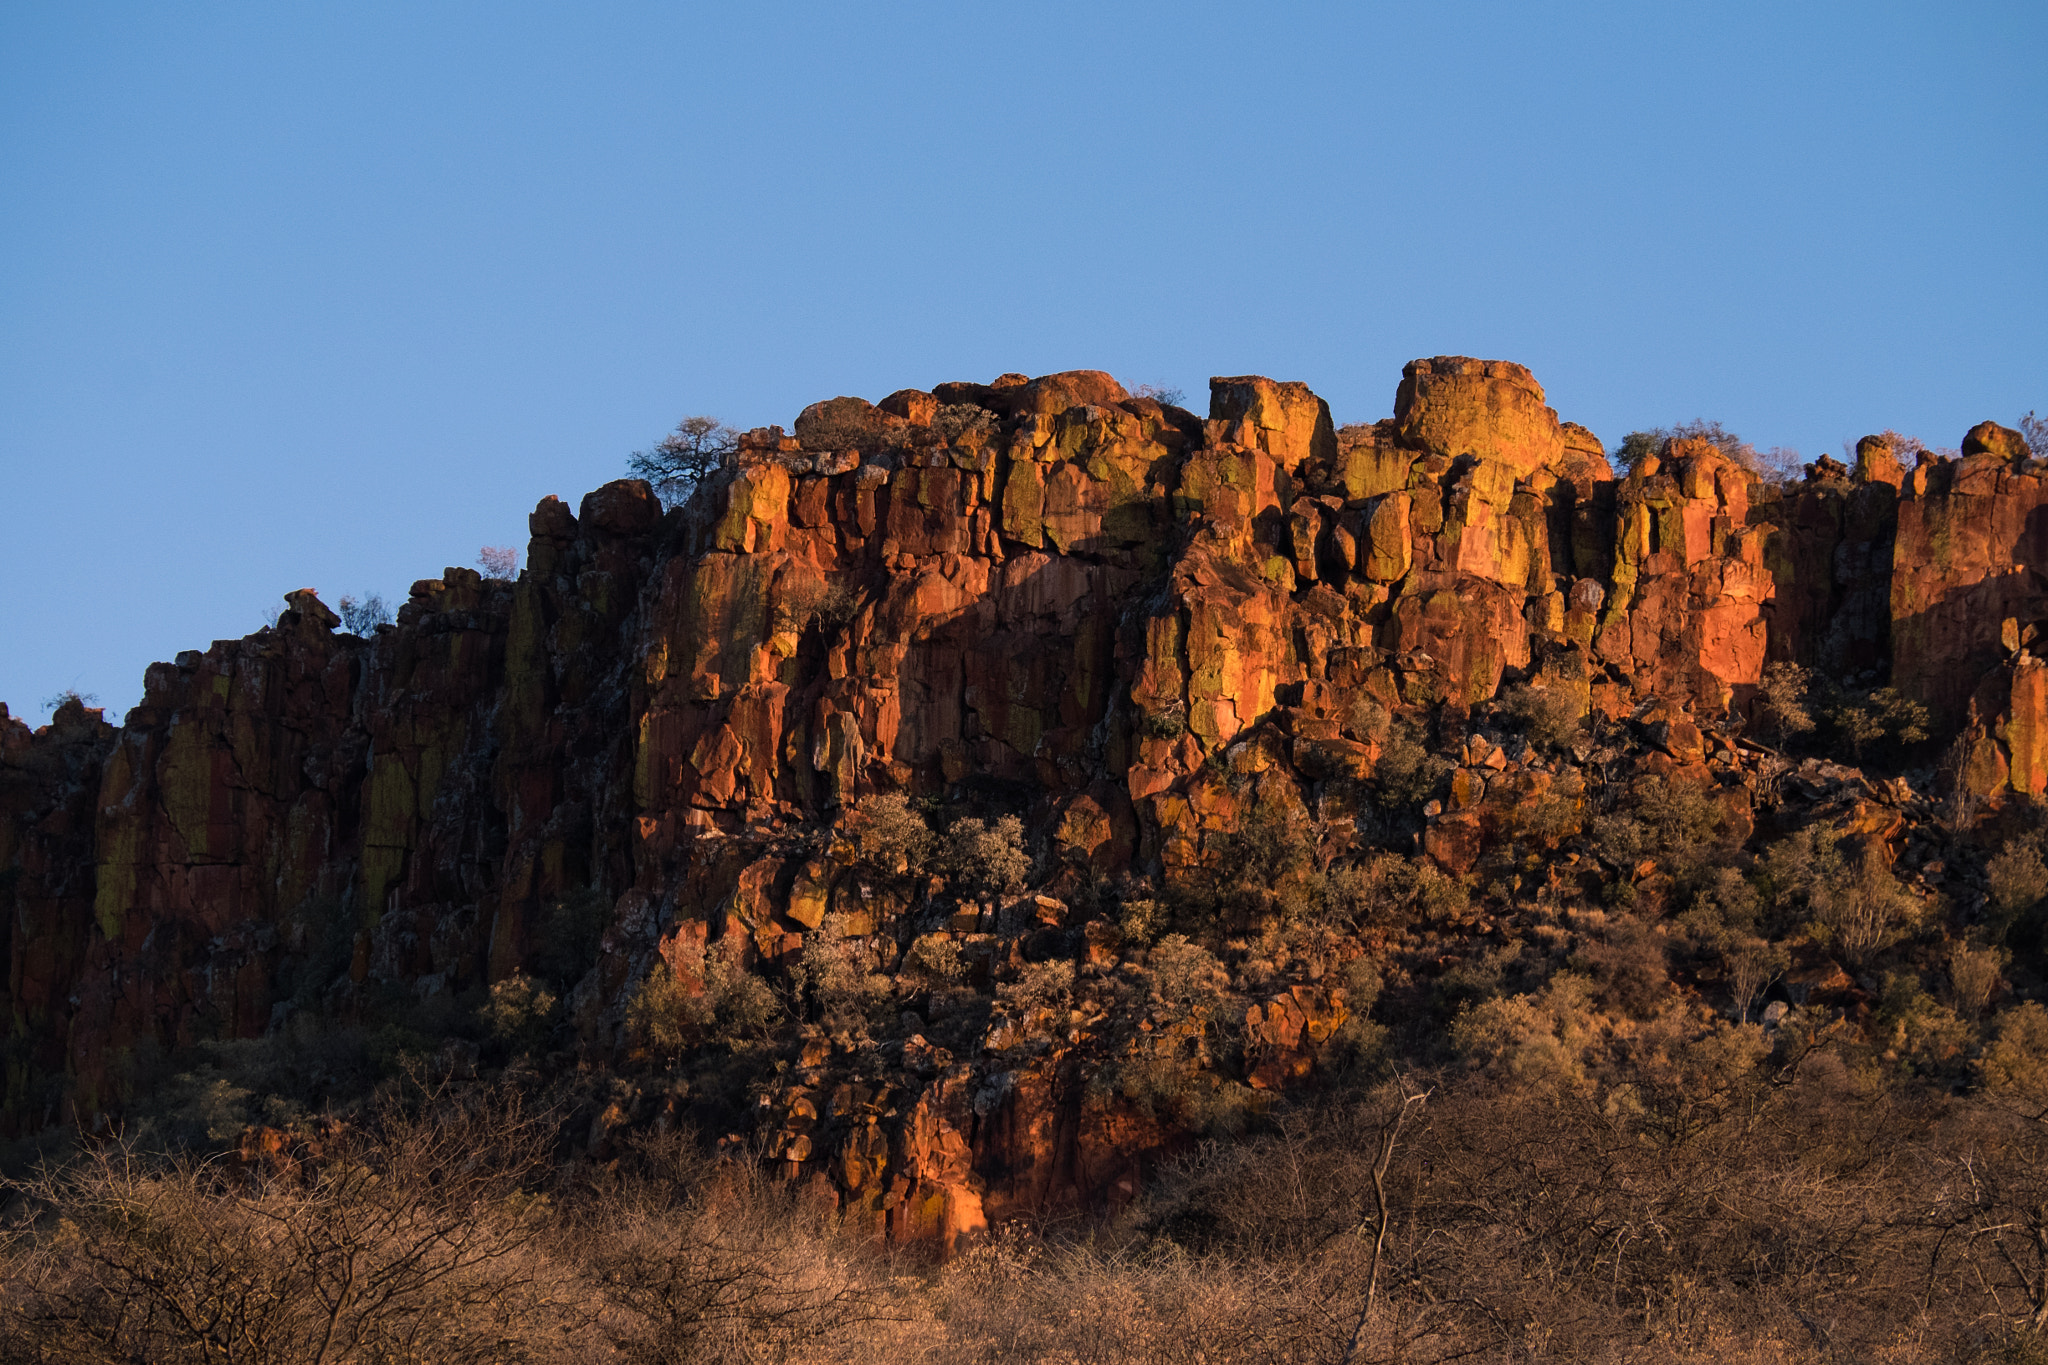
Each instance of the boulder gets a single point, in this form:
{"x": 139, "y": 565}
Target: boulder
{"x": 1455, "y": 405}
{"x": 1989, "y": 438}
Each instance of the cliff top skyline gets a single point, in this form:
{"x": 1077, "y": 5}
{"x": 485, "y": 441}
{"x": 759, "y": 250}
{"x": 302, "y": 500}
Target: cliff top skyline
{"x": 330, "y": 300}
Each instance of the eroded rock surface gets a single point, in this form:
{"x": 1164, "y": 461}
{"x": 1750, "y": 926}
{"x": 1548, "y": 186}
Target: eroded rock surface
{"x": 1139, "y": 625}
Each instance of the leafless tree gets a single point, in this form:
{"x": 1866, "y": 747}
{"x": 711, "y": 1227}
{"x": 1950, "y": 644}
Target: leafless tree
{"x": 681, "y": 459}
{"x": 413, "y": 1238}
{"x": 498, "y": 561}
{"x": 362, "y": 615}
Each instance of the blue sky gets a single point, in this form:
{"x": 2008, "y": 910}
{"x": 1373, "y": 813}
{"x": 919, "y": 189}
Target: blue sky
{"x": 329, "y": 296}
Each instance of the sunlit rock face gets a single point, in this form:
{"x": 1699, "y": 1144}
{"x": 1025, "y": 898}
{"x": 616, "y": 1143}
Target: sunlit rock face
{"x": 1137, "y": 623}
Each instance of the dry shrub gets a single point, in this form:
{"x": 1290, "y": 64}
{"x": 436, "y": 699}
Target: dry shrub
{"x": 682, "y": 460}
{"x": 1753, "y": 964}
{"x": 955, "y": 420}
{"x": 1849, "y": 899}
{"x": 1551, "y": 716}
{"x": 1694, "y": 1200}
{"x": 1715, "y": 1206}
{"x": 728, "y": 1265}
{"x": 1184, "y": 975}
{"x": 1538, "y": 1039}
{"x": 984, "y": 858}
{"x": 835, "y": 979}
{"x": 414, "y": 1237}
{"x": 1973, "y": 975}
{"x": 734, "y": 1007}
{"x": 1030, "y": 1305}
{"x": 1628, "y": 967}
{"x": 892, "y": 839}
{"x": 831, "y": 605}
{"x": 2018, "y": 879}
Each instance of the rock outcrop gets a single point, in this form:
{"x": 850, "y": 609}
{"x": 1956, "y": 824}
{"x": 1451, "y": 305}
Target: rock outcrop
{"x": 1137, "y": 625}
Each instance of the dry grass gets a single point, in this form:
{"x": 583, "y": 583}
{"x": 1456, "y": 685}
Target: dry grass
{"x": 1809, "y": 1214}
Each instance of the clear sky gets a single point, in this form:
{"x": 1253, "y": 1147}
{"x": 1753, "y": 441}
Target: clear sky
{"x": 329, "y": 295}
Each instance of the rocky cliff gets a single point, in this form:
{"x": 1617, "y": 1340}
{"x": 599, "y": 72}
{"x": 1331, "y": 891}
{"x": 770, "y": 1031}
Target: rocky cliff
{"x": 1170, "y": 644}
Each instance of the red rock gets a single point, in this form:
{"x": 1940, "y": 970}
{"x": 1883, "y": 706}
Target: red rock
{"x": 1989, "y": 438}
{"x": 1156, "y": 626}
{"x": 1494, "y": 409}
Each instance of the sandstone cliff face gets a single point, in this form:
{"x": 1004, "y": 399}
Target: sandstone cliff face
{"x": 1139, "y": 624}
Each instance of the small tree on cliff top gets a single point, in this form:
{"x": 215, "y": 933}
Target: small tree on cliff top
{"x": 1637, "y": 445}
{"x": 679, "y": 462}
{"x": 362, "y": 615}
{"x": 2034, "y": 431}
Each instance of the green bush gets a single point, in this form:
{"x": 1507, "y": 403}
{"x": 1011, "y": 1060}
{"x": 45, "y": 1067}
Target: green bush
{"x": 1407, "y": 773}
{"x": 1359, "y": 1045}
{"x": 1973, "y": 975}
{"x": 1679, "y": 826}
{"x": 1262, "y": 873}
{"x": 1367, "y": 720}
{"x": 1725, "y": 905}
{"x": 1140, "y": 921}
{"x": 1880, "y": 721}
{"x": 2014, "y": 1068}
{"x": 519, "y": 1012}
{"x": 1553, "y": 816}
{"x": 1628, "y": 967}
{"x": 572, "y": 930}
{"x": 1551, "y": 717}
{"x": 1384, "y": 888}
{"x": 1041, "y": 985}
{"x": 1172, "y": 1088}
{"x": 1919, "y": 1029}
{"x": 1781, "y": 702}
{"x": 986, "y": 859}
{"x": 1638, "y": 445}
{"x": 1169, "y": 722}
{"x": 2017, "y": 879}
{"x": 1853, "y": 904}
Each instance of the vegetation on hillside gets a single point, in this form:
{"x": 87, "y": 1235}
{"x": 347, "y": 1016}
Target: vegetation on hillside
{"x": 1740, "y": 1060}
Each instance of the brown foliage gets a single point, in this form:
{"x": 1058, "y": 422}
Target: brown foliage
{"x": 417, "y": 1238}
{"x": 1705, "y": 1202}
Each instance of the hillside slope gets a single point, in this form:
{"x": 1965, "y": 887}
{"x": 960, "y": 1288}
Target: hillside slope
{"x": 972, "y": 799}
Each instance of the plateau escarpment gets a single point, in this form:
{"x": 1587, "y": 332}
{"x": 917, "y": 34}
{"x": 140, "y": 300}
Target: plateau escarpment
{"x": 1248, "y": 681}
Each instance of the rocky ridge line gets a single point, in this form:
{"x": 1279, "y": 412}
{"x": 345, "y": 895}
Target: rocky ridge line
{"x": 1148, "y": 632}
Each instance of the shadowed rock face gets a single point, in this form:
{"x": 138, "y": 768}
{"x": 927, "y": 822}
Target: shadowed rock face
{"x": 1143, "y": 621}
